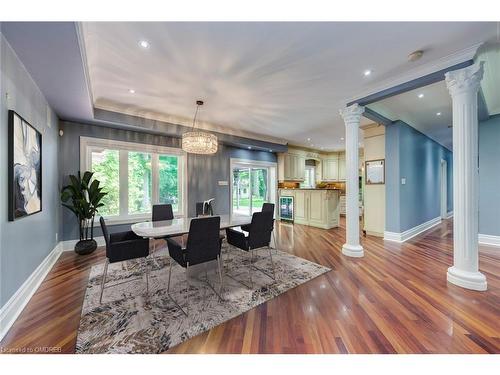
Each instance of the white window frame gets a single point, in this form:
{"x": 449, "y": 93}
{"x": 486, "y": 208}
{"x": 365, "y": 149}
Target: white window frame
{"x": 89, "y": 144}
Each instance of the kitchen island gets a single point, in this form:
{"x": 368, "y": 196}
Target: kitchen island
{"x": 316, "y": 207}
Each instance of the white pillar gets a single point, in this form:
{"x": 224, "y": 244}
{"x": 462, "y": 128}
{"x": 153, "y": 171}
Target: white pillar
{"x": 352, "y": 117}
{"x": 463, "y": 85}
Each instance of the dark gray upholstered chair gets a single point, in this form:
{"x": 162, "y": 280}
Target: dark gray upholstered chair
{"x": 204, "y": 208}
{"x": 161, "y": 212}
{"x": 259, "y": 236}
{"x": 120, "y": 247}
{"x": 203, "y": 245}
{"x": 266, "y": 207}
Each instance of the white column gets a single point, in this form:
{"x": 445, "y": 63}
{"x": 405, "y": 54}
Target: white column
{"x": 463, "y": 85}
{"x": 352, "y": 117}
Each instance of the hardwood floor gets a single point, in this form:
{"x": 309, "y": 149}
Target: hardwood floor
{"x": 394, "y": 300}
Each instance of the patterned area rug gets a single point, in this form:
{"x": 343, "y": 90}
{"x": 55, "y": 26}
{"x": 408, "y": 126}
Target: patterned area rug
{"x": 131, "y": 321}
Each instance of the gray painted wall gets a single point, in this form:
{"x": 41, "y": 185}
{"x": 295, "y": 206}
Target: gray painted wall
{"x": 204, "y": 172}
{"x": 414, "y": 156}
{"x": 26, "y": 242}
{"x": 489, "y": 176}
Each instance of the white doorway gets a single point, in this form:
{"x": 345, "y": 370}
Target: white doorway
{"x": 444, "y": 189}
{"x": 252, "y": 184}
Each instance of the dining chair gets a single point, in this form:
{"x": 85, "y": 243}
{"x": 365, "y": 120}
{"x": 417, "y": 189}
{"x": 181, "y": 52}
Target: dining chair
{"x": 203, "y": 245}
{"x": 204, "y": 208}
{"x": 259, "y": 236}
{"x": 121, "y": 247}
{"x": 161, "y": 212}
{"x": 266, "y": 207}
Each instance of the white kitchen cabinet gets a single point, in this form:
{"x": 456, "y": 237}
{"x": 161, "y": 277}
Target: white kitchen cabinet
{"x": 341, "y": 175}
{"x": 330, "y": 169}
{"x": 291, "y": 167}
{"x": 315, "y": 207}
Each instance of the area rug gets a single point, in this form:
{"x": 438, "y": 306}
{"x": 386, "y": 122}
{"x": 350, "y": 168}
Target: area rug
{"x": 129, "y": 320}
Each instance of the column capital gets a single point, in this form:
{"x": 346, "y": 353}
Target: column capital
{"x": 464, "y": 80}
{"x": 352, "y": 113}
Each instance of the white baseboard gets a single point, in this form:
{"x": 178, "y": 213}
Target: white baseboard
{"x": 487, "y": 239}
{"x": 15, "y": 305}
{"x": 70, "y": 244}
{"x": 449, "y": 214}
{"x": 412, "y": 232}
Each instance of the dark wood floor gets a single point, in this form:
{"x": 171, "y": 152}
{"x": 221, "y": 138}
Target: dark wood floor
{"x": 394, "y": 300}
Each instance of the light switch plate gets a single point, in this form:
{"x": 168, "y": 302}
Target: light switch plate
{"x": 223, "y": 183}
{"x": 403, "y": 181}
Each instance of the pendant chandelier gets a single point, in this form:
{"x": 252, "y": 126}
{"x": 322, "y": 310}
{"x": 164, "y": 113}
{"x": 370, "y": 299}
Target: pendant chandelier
{"x": 199, "y": 142}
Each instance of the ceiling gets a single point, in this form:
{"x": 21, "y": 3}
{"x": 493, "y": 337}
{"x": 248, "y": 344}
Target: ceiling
{"x": 286, "y": 81}
{"x": 421, "y": 113}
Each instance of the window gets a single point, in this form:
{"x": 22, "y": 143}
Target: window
{"x": 135, "y": 176}
{"x": 309, "y": 177}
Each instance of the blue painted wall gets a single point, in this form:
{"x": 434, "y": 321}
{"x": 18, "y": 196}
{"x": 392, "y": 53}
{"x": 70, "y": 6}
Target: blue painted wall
{"x": 489, "y": 176}
{"x": 26, "y": 242}
{"x": 204, "y": 172}
{"x": 414, "y": 156}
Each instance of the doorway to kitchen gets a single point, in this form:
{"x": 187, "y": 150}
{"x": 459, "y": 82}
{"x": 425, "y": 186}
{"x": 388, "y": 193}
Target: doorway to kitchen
{"x": 253, "y": 183}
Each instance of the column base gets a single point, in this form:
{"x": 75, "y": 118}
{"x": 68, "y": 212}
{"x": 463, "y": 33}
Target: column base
{"x": 355, "y": 251}
{"x": 467, "y": 280}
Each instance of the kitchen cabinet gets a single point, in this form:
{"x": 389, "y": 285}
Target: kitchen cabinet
{"x": 315, "y": 207}
{"x": 341, "y": 175}
{"x": 291, "y": 167}
{"x": 330, "y": 168}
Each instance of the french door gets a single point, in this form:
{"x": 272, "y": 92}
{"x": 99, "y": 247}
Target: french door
{"x": 252, "y": 185}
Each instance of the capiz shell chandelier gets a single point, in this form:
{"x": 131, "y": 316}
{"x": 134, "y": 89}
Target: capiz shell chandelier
{"x": 199, "y": 142}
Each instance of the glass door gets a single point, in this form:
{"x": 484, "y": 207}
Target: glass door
{"x": 241, "y": 191}
{"x": 252, "y": 186}
{"x": 259, "y": 188}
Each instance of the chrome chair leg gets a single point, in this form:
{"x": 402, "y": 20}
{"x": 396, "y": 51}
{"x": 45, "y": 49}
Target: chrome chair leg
{"x": 103, "y": 279}
{"x": 221, "y": 279}
{"x": 169, "y": 276}
{"x": 168, "y": 289}
{"x": 272, "y": 263}
{"x": 274, "y": 240}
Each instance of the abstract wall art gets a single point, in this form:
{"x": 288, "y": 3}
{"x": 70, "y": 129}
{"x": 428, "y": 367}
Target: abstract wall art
{"x": 25, "y": 168}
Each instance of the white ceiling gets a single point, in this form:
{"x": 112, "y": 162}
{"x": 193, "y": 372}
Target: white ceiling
{"x": 281, "y": 80}
{"x": 421, "y": 113}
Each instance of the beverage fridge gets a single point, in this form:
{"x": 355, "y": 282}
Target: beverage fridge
{"x": 286, "y": 209}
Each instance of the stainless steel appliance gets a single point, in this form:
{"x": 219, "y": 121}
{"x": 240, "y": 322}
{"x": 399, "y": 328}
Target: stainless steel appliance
{"x": 286, "y": 209}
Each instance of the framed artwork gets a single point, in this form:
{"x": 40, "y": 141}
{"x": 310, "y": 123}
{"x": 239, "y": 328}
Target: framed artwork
{"x": 375, "y": 172}
{"x": 25, "y": 168}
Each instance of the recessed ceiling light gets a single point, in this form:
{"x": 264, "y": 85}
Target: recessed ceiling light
{"x": 367, "y": 72}
{"x": 144, "y": 44}
{"x": 342, "y": 138}
{"x": 438, "y": 114}
{"x": 308, "y": 139}
{"x": 420, "y": 96}
{"x": 132, "y": 91}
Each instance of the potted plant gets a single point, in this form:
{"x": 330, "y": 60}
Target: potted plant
{"x": 83, "y": 197}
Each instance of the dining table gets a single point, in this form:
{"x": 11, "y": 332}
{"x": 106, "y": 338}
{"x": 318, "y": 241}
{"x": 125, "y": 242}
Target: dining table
{"x": 180, "y": 226}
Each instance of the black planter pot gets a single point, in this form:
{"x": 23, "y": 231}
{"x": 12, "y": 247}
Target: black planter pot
{"x": 84, "y": 247}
